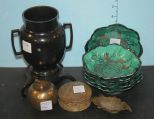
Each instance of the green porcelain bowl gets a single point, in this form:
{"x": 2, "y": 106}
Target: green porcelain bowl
{"x": 112, "y": 61}
{"x": 115, "y": 34}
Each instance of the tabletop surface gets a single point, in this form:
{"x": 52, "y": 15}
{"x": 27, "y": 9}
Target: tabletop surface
{"x": 13, "y": 106}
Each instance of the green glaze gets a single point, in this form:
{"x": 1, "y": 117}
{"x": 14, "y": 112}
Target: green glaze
{"x": 129, "y": 38}
{"x": 112, "y": 61}
{"x": 115, "y": 86}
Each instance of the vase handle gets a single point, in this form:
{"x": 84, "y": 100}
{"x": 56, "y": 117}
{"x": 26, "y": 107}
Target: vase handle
{"x": 13, "y": 32}
{"x": 65, "y": 26}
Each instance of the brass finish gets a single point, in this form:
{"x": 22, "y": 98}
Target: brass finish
{"x": 40, "y": 91}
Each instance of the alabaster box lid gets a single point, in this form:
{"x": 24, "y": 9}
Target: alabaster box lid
{"x": 75, "y": 92}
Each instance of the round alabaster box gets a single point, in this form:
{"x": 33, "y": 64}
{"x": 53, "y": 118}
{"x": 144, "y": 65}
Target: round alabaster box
{"x": 74, "y": 96}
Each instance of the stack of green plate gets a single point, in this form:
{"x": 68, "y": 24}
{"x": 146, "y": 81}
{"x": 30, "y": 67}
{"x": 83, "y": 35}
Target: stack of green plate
{"x": 112, "y": 69}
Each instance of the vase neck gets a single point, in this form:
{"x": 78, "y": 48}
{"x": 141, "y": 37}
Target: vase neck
{"x": 40, "y": 18}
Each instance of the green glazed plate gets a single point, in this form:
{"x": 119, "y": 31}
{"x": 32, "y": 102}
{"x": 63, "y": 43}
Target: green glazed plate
{"x": 112, "y": 61}
{"x": 115, "y": 34}
{"x": 116, "y": 88}
{"x": 125, "y": 81}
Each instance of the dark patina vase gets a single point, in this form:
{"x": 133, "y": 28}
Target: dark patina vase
{"x": 42, "y": 38}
